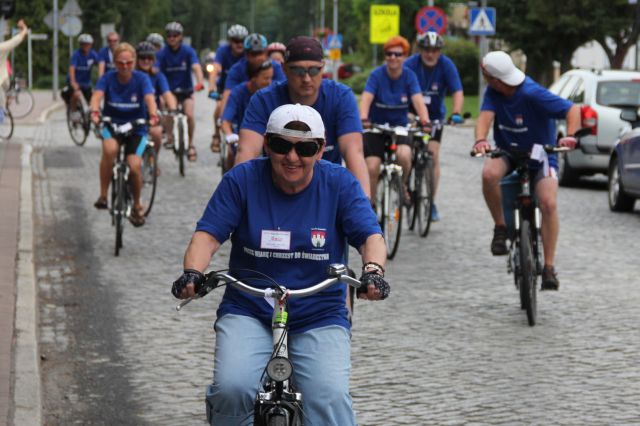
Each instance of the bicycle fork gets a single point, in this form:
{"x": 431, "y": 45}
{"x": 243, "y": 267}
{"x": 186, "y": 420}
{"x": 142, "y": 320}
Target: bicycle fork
{"x": 121, "y": 169}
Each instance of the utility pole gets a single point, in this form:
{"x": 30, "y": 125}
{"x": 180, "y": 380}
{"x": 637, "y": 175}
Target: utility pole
{"x": 55, "y": 50}
{"x": 336, "y": 63}
{"x": 484, "y": 49}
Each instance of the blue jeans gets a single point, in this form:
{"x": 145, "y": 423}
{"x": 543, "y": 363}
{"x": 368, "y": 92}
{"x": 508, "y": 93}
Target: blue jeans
{"x": 321, "y": 361}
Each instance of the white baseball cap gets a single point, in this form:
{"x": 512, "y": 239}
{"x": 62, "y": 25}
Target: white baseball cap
{"x": 498, "y": 64}
{"x": 285, "y": 114}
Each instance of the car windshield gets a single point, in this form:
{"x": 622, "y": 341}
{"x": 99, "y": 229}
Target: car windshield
{"x": 618, "y": 93}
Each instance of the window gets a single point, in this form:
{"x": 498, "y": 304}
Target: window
{"x": 618, "y": 93}
{"x": 577, "y": 97}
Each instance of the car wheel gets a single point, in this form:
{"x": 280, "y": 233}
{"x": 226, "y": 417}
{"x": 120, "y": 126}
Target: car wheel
{"x": 567, "y": 175}
{"x": 619, "y": 200}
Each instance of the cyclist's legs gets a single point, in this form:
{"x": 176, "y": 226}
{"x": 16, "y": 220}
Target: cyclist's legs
{"x": 547, "y": 192}
{"x": 243, "y": 348}
{"x": 403, "y": 153}
{"x": 373, "y": 155}
{"x": 321, "y": 366}
{"x": 434, "y": 148}
{"x": 493, "y": 171}
{"x": 109, "y": 154}
{"x": 155, "y": 133}
{"x": 134, "y": 150}
{"x": 187, "y": 107}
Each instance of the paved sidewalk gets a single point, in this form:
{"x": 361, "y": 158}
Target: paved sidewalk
{"x": 10, "y": 231}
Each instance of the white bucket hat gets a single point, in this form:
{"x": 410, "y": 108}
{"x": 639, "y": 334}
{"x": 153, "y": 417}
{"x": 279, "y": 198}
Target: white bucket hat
{"x": 499, "y": 65}
{"x": 285, "y": 114}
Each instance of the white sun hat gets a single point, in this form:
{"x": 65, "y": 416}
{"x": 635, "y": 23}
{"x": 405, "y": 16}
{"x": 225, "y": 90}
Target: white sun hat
{"x": 285, "y": 114}
{"x": 498, "y": 64}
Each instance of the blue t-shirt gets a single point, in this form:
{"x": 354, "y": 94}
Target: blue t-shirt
{"x": 106, "y": 55}
{"x": 83, "y": 64}
{"x": 391, "y": 98}
{"x": 236, "y": 105}
{"x": 125, "y": 102}
{"x": 160, "y": 85}
{"x": 435, "y": 83}
{"x": 226, "y": 59}
{"x": 239, "y": 73}
{"x": 526, "y": 118}
{"x": 312, "y": 225}
{"x": 176, "y": 66}
{"x": 336, "y": 105}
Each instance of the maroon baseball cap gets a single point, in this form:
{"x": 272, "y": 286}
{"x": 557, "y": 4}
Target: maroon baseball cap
{"x": 303, "y": 48}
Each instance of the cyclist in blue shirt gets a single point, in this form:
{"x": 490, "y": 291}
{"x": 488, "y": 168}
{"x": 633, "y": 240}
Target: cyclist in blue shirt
{"x": 438, "y": 76}
{"x": 334, "y": 101}
{"x": 523, "y": 113}
{"x": 79, "y": 78}
{"x": 226, "y": 56}
{"x": 128, "y": 96}
{"x": 259, "y": 78}
{"x": 145, "y": 58}
{"x": 176, "y": 61}
{"x": 386, "y": 97}
{"x": 105, "y": 55}
{"x": 306, "y": 199}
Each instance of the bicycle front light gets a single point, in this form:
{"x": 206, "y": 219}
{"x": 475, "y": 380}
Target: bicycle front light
{"x": 279, "y": 369}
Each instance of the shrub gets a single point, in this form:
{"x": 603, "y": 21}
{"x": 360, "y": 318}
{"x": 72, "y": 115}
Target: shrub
{"x": 464, "y": 53}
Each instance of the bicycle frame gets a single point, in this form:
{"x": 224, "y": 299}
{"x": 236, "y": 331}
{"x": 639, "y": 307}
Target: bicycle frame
{"x": 278, "y": 397}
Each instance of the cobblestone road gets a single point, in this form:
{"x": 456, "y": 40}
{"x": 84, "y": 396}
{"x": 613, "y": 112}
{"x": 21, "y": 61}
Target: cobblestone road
{"x": 450, "y": 346}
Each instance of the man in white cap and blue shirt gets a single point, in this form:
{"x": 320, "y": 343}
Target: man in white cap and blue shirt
{"x": 523, "y": 114}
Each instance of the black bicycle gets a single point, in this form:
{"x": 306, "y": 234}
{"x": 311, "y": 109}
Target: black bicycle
{"x": 79, "y": 121}
{"x": 121, "y": 197}
{"x": 180, "y": 130}
{"x": 523, "y": 219}
{"x": 6, "y": 124}
{"x": 390, "y": 191}
{"x": 421, "y": 181}
{"x": 20, "y": 100}
{"x": 277, "y": 402}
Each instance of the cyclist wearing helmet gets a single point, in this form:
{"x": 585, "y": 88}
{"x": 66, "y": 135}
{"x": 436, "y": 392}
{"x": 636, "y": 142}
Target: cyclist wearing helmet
{"x": 259, "y": 78}
{"x": 255, "y": 46}
{"x": 157, "y": 40}
{"x": 437, "y": 75}
{"x": 176, "y": 61}
{"x": 145, "y": 58}
{"x": 79, "y": 77}
{"x": 128, "y": 96}
{"x": 276, "y": 52}
{"x": 105, "y": 55}
{"x": 226, "y": 56}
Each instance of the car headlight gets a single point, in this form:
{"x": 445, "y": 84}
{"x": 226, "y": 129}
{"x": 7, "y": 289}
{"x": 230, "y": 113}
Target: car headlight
{"x": 209, "y": 68}
{"x": 279, "y": 369}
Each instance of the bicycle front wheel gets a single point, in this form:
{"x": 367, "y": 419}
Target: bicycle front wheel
{"x": 424, "y": 198}
{"x": 224, "y": 149}
{"x": 119, "y": 207}
{"x": 20, "y": 103}
{"x": 78, "y": 130}
{"x": 410, "y": 210}
{"x": 149, "y": 178}
{"x": 6, "y": 125}
{"x": 181, "y": 147}
{"x": 392, "y": 224}
{"x": 527, "y": 272}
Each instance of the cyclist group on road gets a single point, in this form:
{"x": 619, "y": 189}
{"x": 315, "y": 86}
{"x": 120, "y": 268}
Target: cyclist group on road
{"x": 272, "y": 101}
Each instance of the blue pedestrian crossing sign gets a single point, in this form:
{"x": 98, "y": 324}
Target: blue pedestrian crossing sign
{"x": 482, "y": 21}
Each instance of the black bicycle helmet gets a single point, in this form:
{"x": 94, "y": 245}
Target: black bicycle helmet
{"x": 430, "y": 39}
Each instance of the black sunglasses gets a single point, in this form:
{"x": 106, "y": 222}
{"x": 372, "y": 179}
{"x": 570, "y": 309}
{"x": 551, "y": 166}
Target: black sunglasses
{"x": 396, "y": 54}
{"x": 283, "y": 146}
{"x": 146, "y": 57}
{"x": 173, "y": 34}
{"x": 237, "y": 40}
{"x": 301, "y": 71}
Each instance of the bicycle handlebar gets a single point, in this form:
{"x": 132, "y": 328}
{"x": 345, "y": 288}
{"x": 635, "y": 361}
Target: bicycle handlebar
{"x": 337, "y": 273}
{"x": 123, "y": 129}
{"x": 495, "y": 153}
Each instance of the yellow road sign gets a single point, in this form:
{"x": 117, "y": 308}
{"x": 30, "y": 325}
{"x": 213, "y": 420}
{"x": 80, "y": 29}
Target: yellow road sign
{"x": 384, "y": 23}
{"x": 335, "y": 54}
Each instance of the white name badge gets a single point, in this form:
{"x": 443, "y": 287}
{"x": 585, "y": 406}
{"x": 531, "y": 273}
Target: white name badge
{"x": 276, "y": 240}
{"x": 426, "y": 99}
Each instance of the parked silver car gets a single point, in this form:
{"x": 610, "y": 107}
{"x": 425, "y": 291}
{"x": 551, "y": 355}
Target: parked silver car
{"x": 601, "y": 96}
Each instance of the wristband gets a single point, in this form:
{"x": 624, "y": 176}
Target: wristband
{"x": 373, "y": 267}
{"x": 480, "y": 141}
{"x": 95, "y": 112}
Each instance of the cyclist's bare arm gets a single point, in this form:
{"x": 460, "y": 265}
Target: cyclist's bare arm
{"x": 150, "y": 101}
{"x": 14, "y": 41}
{"x": 366, "y": 99}
{"x": 213, "y": 76}
{"x": 101, "y": 67}
{"x": 96, "y": 97}
{"x": 72, "y": 77}
{"x": 226, "y": 127}
{"x": 420, "y": 107}
{"x": 249, "y": 145}
{"x": 457, "y": 102}
{"x": 197, "y": 69}
{"x": 483, "y": 124}
{"x": 170, "y": 101}
{"x": 198, "y": 255}
{"x": 573, "y": 120}
{"x": 225, "y": 97}
{"x": 350, "y": 145}
{"x": 373, "y": 250}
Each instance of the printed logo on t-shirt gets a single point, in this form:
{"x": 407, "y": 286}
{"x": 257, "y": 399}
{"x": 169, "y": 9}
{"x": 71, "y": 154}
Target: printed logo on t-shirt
{"x": 434, "y": 87}
{"x": 134, "y": 98}
{"x": 519, "y": 120}
{"x": 404, "y": 99}
{"x": 318, "y": 237}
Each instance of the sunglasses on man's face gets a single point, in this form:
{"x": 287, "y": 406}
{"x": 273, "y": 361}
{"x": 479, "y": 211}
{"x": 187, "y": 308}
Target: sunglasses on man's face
{"x": 171, "y": 35}
{"x": 146, "y": 58}
{"x": 237, "y": 40}
{"x": 113, "y": 40}
{"x": 283, "y": 146}
{"x": 301, "y": 71}
{"x": 389, "y": 54}
{"x": 123, "y": 64}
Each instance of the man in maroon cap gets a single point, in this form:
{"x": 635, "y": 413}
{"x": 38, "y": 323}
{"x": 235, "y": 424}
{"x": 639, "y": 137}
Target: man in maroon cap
{"x": 334, "y": 101}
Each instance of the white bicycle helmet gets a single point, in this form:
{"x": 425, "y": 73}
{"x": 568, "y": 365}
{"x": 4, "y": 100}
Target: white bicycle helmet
{"x": 237, "y": 32}
{"x": 156, "y": 39}
{"x": 174, "y": 27}
{"x": 430, "y": 39}
{"x": 85, "y": 38}
{"x": 276, "y": 47}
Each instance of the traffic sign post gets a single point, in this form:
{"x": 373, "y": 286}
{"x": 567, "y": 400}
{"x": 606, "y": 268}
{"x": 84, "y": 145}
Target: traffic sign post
{"x": 30, "y": 38}
{"x": 482, "y": 23}
{"x": 384, "y": 22}
{"x": 431, "y": 18}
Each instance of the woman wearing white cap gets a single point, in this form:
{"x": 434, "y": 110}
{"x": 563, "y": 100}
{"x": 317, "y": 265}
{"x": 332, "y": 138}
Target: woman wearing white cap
{"x": 523, "y": 113}
{"x": 292, "y": 196}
